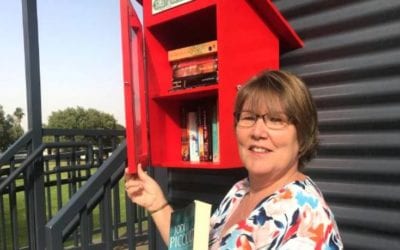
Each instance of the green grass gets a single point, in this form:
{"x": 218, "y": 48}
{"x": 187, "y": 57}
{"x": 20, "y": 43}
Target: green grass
{"x": 22, "y": 225}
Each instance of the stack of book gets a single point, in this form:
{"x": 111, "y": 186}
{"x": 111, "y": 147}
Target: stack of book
{"x": 194, "y": 65}
{"x": 200, "y": 133}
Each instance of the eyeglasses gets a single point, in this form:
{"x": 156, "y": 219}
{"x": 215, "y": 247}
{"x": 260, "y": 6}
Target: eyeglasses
{"x": 247, "y": 119}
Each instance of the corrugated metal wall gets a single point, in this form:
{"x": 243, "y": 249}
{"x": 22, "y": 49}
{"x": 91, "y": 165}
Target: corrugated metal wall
{"x": 351, "y": 61}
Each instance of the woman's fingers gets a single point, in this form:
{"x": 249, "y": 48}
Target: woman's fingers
{"x": 142, "y": 189}
{"x": 134, "y": 184}
{"x": 142, "y": 174}
{"x": 134, "y": 190}
{"x": 132, "y": 181}
{"x": 128, "y": 176}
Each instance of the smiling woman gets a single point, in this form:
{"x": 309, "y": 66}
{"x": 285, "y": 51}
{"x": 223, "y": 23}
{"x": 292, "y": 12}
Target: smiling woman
{"x": 276, "y": 206}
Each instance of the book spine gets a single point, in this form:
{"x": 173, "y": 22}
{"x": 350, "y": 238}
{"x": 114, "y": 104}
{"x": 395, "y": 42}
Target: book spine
{"x": 206, "y": 132}
{"x": 194, "y": 81}
{"x": 193, "y": 137}
{"x": 200, "y": 132}
{"x": 215, "y": 133}
{"x": 193, "y": 51}
{"x": 195, "y": 69}
{"x": 184, "y": 136}
{"x": 193, "y": 61}
{"x": 177, "y": 84}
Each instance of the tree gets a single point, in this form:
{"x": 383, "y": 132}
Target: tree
{"x": 10, "y": 127}
{"x": 18, "y": 114}
{"x": 80, "y": 118}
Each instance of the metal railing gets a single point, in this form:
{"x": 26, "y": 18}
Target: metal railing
{"x": 10, "y": 163}
{"x": 85, "y": 206}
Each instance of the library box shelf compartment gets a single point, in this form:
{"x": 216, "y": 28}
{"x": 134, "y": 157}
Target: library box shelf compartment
{"x": 197, "y": 27}
{"x": 172, "y": 115}
{"x": 186, "y": 29}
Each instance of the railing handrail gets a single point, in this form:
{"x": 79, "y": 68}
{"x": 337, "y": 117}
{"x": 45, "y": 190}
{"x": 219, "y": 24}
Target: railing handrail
{"x": 102, "y": 150}
{"x": 23, "y": 140}
{"x": 13, "y": 175}
{"x": 86, "y": 132}
{"x": 15, "y": 148}
{"x": 54, "y": 228}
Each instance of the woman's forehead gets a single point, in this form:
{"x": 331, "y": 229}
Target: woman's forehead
{"x": 258, "y": 104}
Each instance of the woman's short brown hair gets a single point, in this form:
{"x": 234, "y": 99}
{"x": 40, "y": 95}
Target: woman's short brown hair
{"x": 272, "y": 88}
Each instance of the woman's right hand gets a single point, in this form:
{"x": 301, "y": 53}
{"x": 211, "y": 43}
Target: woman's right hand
{"x": 144, "y": 190}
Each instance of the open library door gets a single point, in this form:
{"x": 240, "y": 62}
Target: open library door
{"x": 134, "y": 87}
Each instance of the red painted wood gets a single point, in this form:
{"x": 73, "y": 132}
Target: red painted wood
{"x": 134, "y": 86}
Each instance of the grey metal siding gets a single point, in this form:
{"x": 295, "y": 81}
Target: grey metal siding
{"x": 351, "y": 62}
{"x": 206, "y": 185}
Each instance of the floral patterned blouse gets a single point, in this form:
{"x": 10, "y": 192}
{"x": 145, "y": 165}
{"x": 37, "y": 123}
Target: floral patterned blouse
{"x": 294, "y": 217}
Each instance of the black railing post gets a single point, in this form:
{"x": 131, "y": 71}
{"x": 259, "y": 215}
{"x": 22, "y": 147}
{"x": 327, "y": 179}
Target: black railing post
{"x": 3, "y": 237}
{"x": 35, "y": 172}
{"x": 107, "y": 225}
{"x": 130, "y": 223}
{"x": 13, "y": 208}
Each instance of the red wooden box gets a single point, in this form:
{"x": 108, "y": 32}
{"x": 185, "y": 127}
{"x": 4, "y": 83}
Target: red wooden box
{"x": 251, "y": 35}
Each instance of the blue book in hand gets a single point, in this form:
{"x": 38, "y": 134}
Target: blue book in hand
{"x": 190, "y": 227}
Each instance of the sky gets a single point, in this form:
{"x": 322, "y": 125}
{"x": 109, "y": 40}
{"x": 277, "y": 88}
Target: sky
{"x": 80, "y": 56}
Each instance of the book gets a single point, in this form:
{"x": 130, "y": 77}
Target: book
{"x": 215, "y": 134}
{"x": 190, "y": 227}
{"x": 205, "y": 128}
{"x": 195, "y": 81}
{"x": 196, "y": 68}
{"x": 201, "y": 49}
{"x": 193, "y": 61}
{"x": 200, "y": 132}
{"x": 192, "y": 126}
{"x": 202, "y": 140}
{"x": 184, "y": 136}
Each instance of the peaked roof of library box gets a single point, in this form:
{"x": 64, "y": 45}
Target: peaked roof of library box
{"x": 288, "y": 37}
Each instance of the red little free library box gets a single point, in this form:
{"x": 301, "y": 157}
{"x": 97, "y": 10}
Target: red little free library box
{"x": 249, "y": 36}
